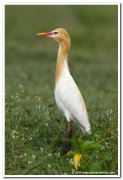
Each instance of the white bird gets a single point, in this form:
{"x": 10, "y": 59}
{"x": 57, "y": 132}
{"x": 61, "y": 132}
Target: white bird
{"x": 67, "y": 95}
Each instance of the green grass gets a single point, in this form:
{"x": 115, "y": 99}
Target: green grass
{"x": 34, "y": 127}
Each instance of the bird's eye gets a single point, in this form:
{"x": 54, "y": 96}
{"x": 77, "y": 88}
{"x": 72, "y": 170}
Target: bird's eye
{"x": 55, "y": 32}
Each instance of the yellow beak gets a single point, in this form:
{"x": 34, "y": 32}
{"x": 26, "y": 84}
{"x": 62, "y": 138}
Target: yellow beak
{"x": 44, "y": 34}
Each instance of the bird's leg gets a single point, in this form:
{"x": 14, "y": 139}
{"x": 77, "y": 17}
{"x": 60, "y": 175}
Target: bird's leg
{"x": 69, "y": 129}
{"x": 67, "y": 145}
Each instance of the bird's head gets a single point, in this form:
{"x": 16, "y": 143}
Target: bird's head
{"x": 59, "y": 34}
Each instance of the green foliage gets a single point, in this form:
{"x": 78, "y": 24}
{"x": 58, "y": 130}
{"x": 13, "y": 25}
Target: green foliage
{"x": 34, "y": 128}
{"x": 81, "y": 147}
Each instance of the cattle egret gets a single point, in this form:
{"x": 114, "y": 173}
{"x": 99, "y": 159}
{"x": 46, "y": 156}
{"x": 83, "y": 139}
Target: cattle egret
{"x": 67, "y": 95}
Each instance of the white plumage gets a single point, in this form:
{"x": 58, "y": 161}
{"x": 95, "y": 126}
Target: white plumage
{"x": 67, "y": 95}
{"x": 69, "y": 100}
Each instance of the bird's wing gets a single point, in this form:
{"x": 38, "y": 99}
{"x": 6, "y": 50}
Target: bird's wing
{"x": 72, "y": 99}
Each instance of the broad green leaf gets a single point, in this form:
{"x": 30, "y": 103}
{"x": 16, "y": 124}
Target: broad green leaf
{"x": 72, "y": 153}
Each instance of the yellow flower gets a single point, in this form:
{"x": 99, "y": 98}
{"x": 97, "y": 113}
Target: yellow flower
{"x": 76, "y": 160}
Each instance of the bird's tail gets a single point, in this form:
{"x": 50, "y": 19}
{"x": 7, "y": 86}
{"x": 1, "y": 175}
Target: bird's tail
{"x": 86, "y": 129}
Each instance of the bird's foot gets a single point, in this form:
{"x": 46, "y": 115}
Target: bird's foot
{"x": 66, "y": 147}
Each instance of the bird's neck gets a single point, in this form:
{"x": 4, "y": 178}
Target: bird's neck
{"x": 62, "y": 64}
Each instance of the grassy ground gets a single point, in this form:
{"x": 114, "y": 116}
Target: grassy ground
{"x": 34, "y": 127}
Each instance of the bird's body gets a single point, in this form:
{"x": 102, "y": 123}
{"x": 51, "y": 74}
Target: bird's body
{"x": 69, "y": 99}
{"x": 67, "y": 95}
